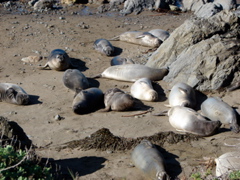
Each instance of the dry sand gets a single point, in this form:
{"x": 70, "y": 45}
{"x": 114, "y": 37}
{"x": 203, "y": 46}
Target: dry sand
{"x": 38, "y": 34}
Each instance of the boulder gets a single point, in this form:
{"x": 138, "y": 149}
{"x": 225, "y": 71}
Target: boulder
{"x": 203, "y": 52}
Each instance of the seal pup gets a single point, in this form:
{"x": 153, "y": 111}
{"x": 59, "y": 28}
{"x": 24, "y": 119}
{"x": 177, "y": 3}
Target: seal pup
{"x": 133, "y": 72}
{"x": 117, "y": 100}
{"x": 14, "y": 94}
{"x": 58, "y": 60}
{"x": 182, "y": 94}
{"x": 148, "y": 159}
{"x": 104, "y": 47}
{"x": 160, "y": 34}
{"x": 120, "y": 60}
{"x": 86, "y": 101}
{"x": 142, "y": 89}
{"x": 75, "y": 80}
{"x": 139, "y": 38}
{"x": 226, "y": 163}
{"x": 185, "y": 119}
{"x": 216, "y": 109}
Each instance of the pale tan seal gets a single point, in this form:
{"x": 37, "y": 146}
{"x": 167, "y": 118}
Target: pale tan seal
{"x": 216, "y": 109}
{"x": 139, "y": 38}
{"x": 160, "y": 34}
{"x": 142, "y": 89}
{"x": 58, "y": 60}
{"x": 104, "y": 47}
{"x": 148, "y": 159}
{"x": 87, "y": 100}
{"x": 14, "y": 94}
{"x": 185, "y": 119}
{"x": 133, "y": 72}
{"x": 182, "y": 94}
{"x": 75, "y": 80}
{"x": 117, "y": 100}
{"x": 120, "y": 60}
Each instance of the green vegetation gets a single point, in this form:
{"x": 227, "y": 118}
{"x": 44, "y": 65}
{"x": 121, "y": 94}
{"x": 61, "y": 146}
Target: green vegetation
{"x": 17, "y": 165}
{"x": 234, "y": 175}
{"x": 196, "y": 176}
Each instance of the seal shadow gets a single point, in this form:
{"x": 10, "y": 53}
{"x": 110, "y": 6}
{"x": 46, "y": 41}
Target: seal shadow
{"x": 93, "y": 82}
{"x": 172, "y": 166}
{"x": 79, "y": 166}
{"x": 117, "y": 51}
{"x": 200, "y": 97}
{"x": 161, "y": 94}
{"x": 139, "y": 105}
{"x": 34, "y": 100}
{"x": 78, "y": 64}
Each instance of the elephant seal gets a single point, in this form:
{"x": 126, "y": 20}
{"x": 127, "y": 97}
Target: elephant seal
{"x": 142, "y": 89}
{"x": 132, "y": 72}
{"x": 215, "y": 109}
{"x": 104, "y": 47}
{"x": 187, "y": 120}
{"x": 182, "y": 94}
{"x": 226, "y": 163}
{"x": 148, "y": 159}
{"x": 116, "y": 100}
{"x": 120, "y": 60}
{"x": 139, "y": 38}
{"x": 86, "y": 101}
{"x": 75, "y": 80}
{"x": 160, "y": 34}
{"x": 58, "y": 60}
{"x": 14, "y": 94}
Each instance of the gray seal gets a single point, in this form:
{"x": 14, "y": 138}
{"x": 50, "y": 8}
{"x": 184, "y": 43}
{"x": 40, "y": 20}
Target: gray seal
{"x": 148, "y": 159}
{"x": 142, "y": 89}
{"x": 58, "y": 60}
{"x": 104, "y": 47}
{"x": 120, "y": 60}
{"x": 75, "y": 80}
{"x": 182, "y": 94}
{"x": 87, "y": 100}
{"x": 117, "y": 100}
{"x": 215, "y": 109}
{"x": 185, "y": 119}
{"x": 160, "y": 34}
{"x": 139, "y": 38}
{"x": 133, "y": 72}
{"x": 14, "y": 94}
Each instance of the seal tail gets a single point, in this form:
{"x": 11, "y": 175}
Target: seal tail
{"x": 117, "y": 38}
{"x": 96, "y": 76}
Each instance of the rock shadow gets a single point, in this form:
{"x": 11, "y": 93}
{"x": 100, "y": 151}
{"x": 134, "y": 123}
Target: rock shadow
{"x": 79, "y": 166}
{"x": 78, "y": 64}
{"x": 161, "y": 94}
{"x": 34, "y": 100}
{"x": 172, "y": 166}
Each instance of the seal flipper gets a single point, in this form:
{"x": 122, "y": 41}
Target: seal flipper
{"x": 163, "y": 113}
{"x": 44, "y": 67}
{"x": 10, "y": 93}
{"x": 107, "y": 109}
{"x": 117, "y": 38}
{"x": 96, "y": 76}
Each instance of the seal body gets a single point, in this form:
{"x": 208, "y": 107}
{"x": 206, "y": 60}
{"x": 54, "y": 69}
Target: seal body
{"x": 120, "y": 60}
{"x": 75, "y": 80}
{"x": 133, "y": 72}
{"x": 139, "y": 38}
{"x": 14, "y": 94}
{"x": 116, "y": 100}
{"x": 182, "y": 94}
{"x": 87, "y": 100}
{"x": 160, "y": 34}
{"x": 148, "y": 159}
{"x": 226, "y": 163}
{"x": 215, "y": 109}
{"x": 142, "y": 89}
{"x": 58, "y": 60}
{"x": 187, "y": 120}
{"x": 104, "y": 47}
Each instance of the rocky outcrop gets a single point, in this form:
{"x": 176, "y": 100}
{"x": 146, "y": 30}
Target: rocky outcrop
{"x": 202, "y": 52}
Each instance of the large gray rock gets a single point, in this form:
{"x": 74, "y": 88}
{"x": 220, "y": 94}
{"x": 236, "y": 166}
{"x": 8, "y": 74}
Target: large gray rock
{"x": 202, "y": 52}
{"x": 208, "y": 10}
